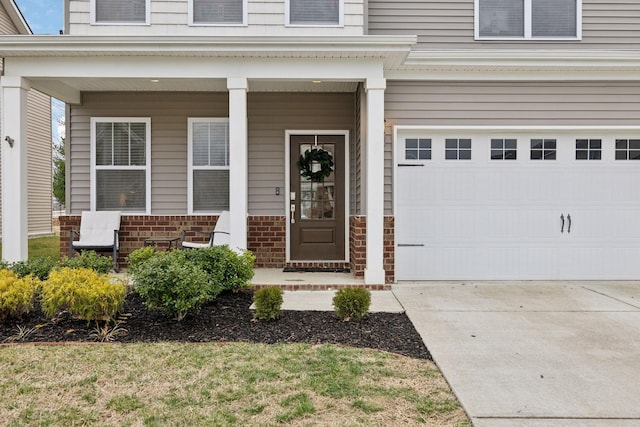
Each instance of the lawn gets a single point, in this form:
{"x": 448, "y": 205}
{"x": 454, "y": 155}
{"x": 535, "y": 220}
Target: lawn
{"x": 43, "y": 246}
{"x": 220, "y": 384}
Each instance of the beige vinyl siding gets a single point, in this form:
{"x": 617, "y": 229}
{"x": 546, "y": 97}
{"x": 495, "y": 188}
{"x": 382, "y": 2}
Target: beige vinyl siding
{"x": 170, "y": 17}
{"x": 506, "y": 104}
{"x": 39, "y": 163}
{"x": 6, "y": 25}
{"x": 449, "y": 24}
{"x": 270, "y": 115}
{"x": 168, "y": 113}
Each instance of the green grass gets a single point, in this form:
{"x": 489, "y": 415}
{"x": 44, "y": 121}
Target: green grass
{"x": 48, "y": 246}
{"x": 220, "y": 384}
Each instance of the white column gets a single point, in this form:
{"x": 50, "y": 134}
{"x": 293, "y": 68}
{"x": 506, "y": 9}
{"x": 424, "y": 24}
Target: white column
{"x": 14, "y": 168}
{"x": 374, "y": 271}
{"x": 238, "y": 162}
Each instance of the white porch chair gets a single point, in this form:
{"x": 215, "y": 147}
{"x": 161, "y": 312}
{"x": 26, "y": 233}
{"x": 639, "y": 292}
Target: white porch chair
{"x": 98, "y": 232}
{"x": 219, "y": 235}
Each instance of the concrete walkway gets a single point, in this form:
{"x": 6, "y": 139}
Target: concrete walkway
{"x": 525, "y": 354}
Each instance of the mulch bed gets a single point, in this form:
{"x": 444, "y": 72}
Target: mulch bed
{"x": 229, "y": 318}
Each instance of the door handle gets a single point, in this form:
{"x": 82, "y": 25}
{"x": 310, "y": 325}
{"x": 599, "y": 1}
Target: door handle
{"x": 569, "y": 227}
{"x": 562, "y": 226}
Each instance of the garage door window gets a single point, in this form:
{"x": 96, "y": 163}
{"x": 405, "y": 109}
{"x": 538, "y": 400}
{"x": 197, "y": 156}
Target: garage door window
{"x": 543, "y": 149}
{"x": 627, "y": 149}
{"x": 417, "y": 149}
{"x": 504, "y": 149}
{"x": 588, "y": 149}
{"x": 457, "y": 149}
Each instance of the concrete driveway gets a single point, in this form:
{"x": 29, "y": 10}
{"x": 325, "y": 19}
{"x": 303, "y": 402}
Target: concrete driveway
{"x": 532, "y": 354}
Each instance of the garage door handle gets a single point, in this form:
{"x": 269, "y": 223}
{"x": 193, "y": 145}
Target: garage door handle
{"x": 562, "y": 226}
{"x": 413, "y": 165}
{"x": 569, "y": 228}
{"x": 410, "y": 245}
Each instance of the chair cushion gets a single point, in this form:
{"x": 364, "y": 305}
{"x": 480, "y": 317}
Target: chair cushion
{"x": 192, "y": 245}
{"x": 96, "y": 229}
{"x": 221, "y": 232}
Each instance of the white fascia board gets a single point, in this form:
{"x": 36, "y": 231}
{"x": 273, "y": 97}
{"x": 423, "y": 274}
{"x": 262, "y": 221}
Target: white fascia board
{"x": 16, "y": 16}
{"x": 240, "y": 46}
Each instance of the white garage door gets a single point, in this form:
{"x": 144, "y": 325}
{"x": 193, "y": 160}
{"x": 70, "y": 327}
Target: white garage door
{"x": 517, "y": 205}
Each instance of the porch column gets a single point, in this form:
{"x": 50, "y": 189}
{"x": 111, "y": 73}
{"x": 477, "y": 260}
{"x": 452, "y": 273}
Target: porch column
{"x": 14, "y": 168}
{"x": 238, "y": 162}
{"x": 374, "y": 271}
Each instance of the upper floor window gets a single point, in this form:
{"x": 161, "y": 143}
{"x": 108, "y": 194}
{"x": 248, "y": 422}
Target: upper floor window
{"x": 120, "y": 11}
{"x": 528, "y": 19}
{"x": 315, "y": 12}
{"x": 218, "y": 12}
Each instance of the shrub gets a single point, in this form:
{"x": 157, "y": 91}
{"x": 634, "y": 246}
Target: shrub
{"x": 227, "y": 269}
{"x": 39, "y": 267}
{"x": 137, "y": 257}
{"x": 91, "y": 260}
{"x": 268, "y": 303}
{"x": 352, "y": 303}
{"x": 85, "y": 293}
{"x": 170, "y": 283}
{"x": 16, "y": 294}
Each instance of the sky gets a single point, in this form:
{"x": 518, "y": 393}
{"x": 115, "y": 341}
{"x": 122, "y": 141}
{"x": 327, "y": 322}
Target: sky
{"x": 45, "y": 17}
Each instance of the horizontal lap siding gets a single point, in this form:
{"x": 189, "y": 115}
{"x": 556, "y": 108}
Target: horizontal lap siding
{"x": 450, "y": 25}
{"x": 169, "y": 113}
{"x": 270, "y": 115}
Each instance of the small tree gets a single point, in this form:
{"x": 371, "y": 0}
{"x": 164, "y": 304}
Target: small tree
{"x": 59, "y": 173}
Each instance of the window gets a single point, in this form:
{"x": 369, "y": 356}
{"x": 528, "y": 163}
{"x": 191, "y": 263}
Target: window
{"x": 528, "y": 19}
{"x": 417, "y": 149}
{"x": 218, "y": 12}
{"x": 208, "y": 165}
{"x": 504, "y": 149}
{"x": 543, "y": 149}
{"x": 588, "y": 149}
{"x": 120, "y": 173}
{"x": 315, "y": 12}
{"x": 457, "y": 149}
{"x": 627, "y": 149}
{"x": 120, "y": 11}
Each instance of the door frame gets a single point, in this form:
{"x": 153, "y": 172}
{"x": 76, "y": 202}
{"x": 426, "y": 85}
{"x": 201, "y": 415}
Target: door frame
{"x": 287, "y": 187}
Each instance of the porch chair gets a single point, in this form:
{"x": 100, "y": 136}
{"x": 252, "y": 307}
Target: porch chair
{"x": 219, "y": 235}
{"x": 99, "y": 231}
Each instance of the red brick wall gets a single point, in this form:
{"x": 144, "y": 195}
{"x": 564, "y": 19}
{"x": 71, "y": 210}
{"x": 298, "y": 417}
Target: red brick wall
{"x": 266, "y": 238}
{"x": 358, "y": 251}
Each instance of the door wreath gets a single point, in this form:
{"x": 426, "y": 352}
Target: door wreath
{"x": 320, "y": 157}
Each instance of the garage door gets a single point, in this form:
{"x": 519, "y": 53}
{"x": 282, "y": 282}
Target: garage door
{"x": 524, "y": 205}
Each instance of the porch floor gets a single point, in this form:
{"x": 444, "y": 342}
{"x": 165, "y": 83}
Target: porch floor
{"x": 305, "y": 281}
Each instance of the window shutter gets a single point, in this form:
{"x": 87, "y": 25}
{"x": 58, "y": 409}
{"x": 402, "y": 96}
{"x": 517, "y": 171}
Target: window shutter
{"x": 501, "y": 18}
{"x": 218, "y": 11}
{"x": 121, "y": 10}
{"x": 322, "y": 12}
{"x": 553, "y": 18}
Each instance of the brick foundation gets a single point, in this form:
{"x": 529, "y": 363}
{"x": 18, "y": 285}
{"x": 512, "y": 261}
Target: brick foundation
{"x": 266, "y": 238}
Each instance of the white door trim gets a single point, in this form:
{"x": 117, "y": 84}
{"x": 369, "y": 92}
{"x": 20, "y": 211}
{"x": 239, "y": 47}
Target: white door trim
{"x": 287, "y": 186}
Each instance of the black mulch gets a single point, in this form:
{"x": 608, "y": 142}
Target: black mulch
{"x": 229, "y": 318}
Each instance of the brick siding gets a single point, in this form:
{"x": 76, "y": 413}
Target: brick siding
{"x": 358, "y": 247}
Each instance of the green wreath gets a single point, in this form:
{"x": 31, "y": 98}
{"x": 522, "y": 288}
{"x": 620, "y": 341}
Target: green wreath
{"x": 316, "y": 155}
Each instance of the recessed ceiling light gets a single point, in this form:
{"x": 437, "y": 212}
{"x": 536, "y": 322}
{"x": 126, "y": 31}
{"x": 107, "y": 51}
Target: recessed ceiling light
{"x": 316, "y": 81}
{"x": 154, "y": 80}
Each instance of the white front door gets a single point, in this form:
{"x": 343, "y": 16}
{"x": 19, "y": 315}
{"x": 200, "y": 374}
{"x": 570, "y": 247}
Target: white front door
{"x": 517, "y": 205}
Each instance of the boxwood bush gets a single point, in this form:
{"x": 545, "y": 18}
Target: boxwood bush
{"x": 352, "y": 303}
{"x": 268, "y": 302}
{"x": 89, "y": 259}
{"x": 39, "y": 267}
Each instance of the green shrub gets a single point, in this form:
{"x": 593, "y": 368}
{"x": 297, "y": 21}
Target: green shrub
{"x": 171, "y": 283}
{"x": 39, "y": 267}
{"x": 352, "y": 303}
{"x": 85, "y": 293}
{"x": 91, "y": 260}
{"x": 137, "y": 257}
{"x": 16, "y": 294}
{"x": 226, "y": 268}
{"x": 268, "y": 303}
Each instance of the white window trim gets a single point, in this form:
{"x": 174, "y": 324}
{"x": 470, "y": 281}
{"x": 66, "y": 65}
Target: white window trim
{"x": 147, "y": 18}
{"x": 287, "y": 17}
{"x": 191, "y": 168}
{"x": 244, "y": 23}
{"x": 146, "y": 167}
{"x": 527, "y": 25}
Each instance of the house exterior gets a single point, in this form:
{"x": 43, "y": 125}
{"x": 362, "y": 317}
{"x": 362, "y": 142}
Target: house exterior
{"x": 38, "y": 135}
{"x": 471, "y": 139}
